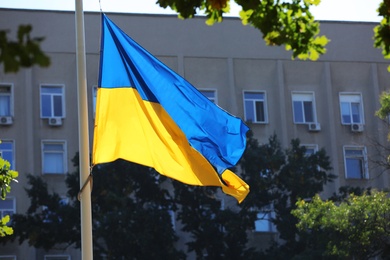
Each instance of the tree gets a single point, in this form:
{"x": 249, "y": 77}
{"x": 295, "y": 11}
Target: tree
{"x": 288, "y": 23}
{"x": 384, "y": 111}
{"x": 284, "y": 177}
{"x": 129, "y": 204}
{"x": 356, "y": 227}
{"x": 130, "y": 210}
{"x": 277, "y": 178}
{"x": 6, "y": 177}
{"x": 50, "y": 222}
{"x": 217, "y": 232}
{"x": 24, "y": 52}
{"x": 382, "y": 31}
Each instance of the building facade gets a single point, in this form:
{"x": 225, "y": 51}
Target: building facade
{"x": 328, "y": 104}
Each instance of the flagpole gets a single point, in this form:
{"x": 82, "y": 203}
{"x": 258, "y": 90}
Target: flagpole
{"x": 85, "y": 200}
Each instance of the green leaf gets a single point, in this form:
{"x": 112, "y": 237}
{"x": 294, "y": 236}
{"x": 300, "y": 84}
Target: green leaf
{"x": 4, "y": 229}
{"x": 245, "y": 15}
{"x": 321, "y": 40}
{"x": 312, "y": 2}
{"x": 314, "y": 55}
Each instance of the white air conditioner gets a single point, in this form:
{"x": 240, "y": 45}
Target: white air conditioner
{"x": 6, "y": 120}
{"x": 357, "y": 128}
{"x": 314, "y": 127}
{"x": 55, "y": 121}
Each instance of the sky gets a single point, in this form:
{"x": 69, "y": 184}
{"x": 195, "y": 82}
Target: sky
{"x": 336, "y": 10}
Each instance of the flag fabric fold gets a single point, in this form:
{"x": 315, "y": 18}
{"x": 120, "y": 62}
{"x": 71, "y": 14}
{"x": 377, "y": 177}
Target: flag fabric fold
{"x": 148, "y": 114}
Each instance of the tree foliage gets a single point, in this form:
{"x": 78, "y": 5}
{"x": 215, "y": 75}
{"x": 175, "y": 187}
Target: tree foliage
{"x": 49, "y": 222}
{"x": 24, "y": 52}
{"x": 358, "y": 226}
{"x": 281, "y": 22}
{"x": 277, "y": 178}
{"x": 288, "y": 23}
{"x": 382, "y": 31}
{"x": 384, "y": 111}
{"x": 216, "y": 232}
{"x": 129, "y": 207}
{"x": 6, "y": 177}
{"x": 130, "y": 203}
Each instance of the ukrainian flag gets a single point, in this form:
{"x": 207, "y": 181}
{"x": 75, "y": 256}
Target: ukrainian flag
{"x": 147, "y": 114}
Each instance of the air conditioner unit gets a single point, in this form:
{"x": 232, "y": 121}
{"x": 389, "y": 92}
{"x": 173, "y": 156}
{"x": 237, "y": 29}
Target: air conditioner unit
{"x": 357, "y": 128}
{"x": 55, "y": 121}
{"x": 6, "y": 120}
{"x": 314, "y": 127}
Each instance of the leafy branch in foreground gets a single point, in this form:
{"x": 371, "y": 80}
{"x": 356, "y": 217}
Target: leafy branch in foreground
{"x": 356, "y": 227}
{"x": 288, "y": 23}
{"x": 24, "y": 52}
{"x": 382, "y": 31}
{"x": 6, "y": 177}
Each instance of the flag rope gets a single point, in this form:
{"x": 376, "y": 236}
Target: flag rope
{"x": 88, "y": 180}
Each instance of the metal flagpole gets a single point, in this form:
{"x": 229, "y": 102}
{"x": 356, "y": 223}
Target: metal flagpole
{"x": 85, "y": 201}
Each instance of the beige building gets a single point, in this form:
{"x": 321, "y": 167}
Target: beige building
{"x": 326, "y": 104}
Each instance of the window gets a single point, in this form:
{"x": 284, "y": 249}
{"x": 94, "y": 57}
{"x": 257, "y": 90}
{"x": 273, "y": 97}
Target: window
{"x": 57, "y": 257}
{"x": 7, "y": 152}
{"x": 5, "y": 100}
{"x": 255, "y": 107}
{"x": 210, "y": 94}
{"x": 7, "y": 257}
{"x": 303, "y": 108}
{"x": 52, "y": 101}
{"x": 351, "y": 108}
{"x": 310, "y": 149}
{"x": 264, "y": 220}
{"x": 355, "y": 160}
{"x": 7, "y": 207}
{"x": 54, "y": 157}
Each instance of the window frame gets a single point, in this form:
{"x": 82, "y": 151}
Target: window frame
{"x": 364, "y": 166}
{"x": 214, "y": 91}
{"x": 12, "y": 161}
{"x": 351, "y": 96}
{"x": 314, "y": 147}
{"x": 56, "y": 257}
{"x": 268, "y": 213}
{"x": 64, "y": 156}
{"x": 11, "y": 95}
{"x": 59, "y": 86}
{"x": 265, "y": 106}
{"x": 13, "y": 210}
{"x": 7, "y": 257}
{"x": 295, "y": 98}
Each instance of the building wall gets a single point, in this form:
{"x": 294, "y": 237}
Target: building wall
{"x": 227, "y": 57}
